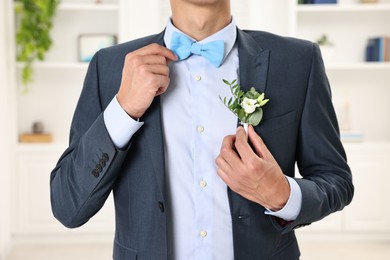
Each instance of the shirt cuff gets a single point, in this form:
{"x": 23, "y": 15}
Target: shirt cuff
{"x": 293, "y": 206}
{"x": 120, "y": 126}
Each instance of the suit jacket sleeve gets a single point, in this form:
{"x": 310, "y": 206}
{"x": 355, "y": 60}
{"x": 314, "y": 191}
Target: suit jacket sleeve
{"x": 327, "y": 181}
{"x": 86, "y": 172}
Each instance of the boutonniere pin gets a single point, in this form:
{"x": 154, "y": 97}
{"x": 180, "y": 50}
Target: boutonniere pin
{"x": 247, "y": 106}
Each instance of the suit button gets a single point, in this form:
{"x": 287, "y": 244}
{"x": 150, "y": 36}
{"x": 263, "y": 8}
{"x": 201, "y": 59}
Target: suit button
{"x": 98, "y": 168}
{"x": 102, "y": 162}
{"x": 161, "y": 206}
{"x": 95, "y": 173}
{"x": 105, "y": 157}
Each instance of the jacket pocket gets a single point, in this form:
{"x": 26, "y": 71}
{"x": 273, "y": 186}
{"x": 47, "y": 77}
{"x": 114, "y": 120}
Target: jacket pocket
{"x": 278, "y": 122}
{"x": 123, "y": 253}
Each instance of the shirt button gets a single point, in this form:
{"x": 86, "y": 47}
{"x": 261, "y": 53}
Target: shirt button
{"x": 200, "y": 129}
{"x": 203, "y": 233}
{"x": 198, "y": 77}
{"x": 202, "y": 184}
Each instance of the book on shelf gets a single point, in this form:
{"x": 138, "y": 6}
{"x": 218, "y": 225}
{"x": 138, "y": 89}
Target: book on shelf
{"x": 378, "y": 49}
{"x": 317, "y": 1}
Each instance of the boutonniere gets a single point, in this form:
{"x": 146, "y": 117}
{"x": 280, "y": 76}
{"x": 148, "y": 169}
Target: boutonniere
{"x": 247, "y": 106}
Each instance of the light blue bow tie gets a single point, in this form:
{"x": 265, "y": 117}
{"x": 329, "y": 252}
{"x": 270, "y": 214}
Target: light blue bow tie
{"x": 183, "y": 47}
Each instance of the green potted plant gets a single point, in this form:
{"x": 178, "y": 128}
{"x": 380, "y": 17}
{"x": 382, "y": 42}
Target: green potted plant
{"x": 35, "y": 20}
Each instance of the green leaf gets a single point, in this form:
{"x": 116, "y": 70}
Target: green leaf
{"x": 241, "y": 115}
{"x": 255, "y": 118}
{"x": 230, "y": 101}
{"x": 265, "y": 101}
{"x": 260, "y": 98}
{"x": 34, "y": 22}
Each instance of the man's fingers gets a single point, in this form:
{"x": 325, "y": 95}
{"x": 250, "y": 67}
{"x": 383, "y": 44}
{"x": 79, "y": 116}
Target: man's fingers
{"x": 156, "y": 49}
{"x": 153, "y": 59}
{"x": 242, "y": 145}
{"x": 227, "y": 152}
{"x": 156, "y": 69}
{"x": 163, "y": 83}
{"x": 257, "y": 143}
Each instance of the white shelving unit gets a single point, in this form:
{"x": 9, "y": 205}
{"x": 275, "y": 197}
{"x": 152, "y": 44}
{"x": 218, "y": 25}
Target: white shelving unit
{"x": 348, "y": 25}
{"x": 360, "y": 91}
{"x": 33, "y": 162}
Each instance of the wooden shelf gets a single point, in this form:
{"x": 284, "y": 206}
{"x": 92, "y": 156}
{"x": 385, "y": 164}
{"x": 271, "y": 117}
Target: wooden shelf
{"x": 57, "y": 65}
{"x": 367, "y": 145}
{"x": 359, "y": 66}
{"x": 338, "y": 8}
{"x": 87, "y": 7}
{"x": 41, "y": 147}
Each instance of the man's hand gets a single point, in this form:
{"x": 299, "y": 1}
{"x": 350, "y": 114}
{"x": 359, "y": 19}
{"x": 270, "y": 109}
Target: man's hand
{"x": 252, "y": 173}
{"x": 145, "y": 75}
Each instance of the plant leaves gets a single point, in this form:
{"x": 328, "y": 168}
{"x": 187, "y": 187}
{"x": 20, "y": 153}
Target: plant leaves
{"x": 265, "y": 101}
{"x": 234, "y": 104}
{"x": 255, "y": 118}
{"x": 34, "y": 21}
{"x": 226, "y": 82}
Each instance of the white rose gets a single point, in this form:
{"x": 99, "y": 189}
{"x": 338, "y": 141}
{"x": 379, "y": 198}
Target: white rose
{"x": 249, "y": 105}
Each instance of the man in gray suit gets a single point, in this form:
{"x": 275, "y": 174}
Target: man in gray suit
{"x": 187, "y": 183}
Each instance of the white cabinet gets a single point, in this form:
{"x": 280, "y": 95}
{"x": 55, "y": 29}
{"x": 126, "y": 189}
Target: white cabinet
{"x": 32, "y": 203}
{"x": 370, "y": 209}
{"x": 32, "y": 210}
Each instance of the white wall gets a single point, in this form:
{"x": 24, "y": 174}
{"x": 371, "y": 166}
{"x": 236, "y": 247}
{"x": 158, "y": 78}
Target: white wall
{"x": 249, "y": 14}
{"x": 4, "y": 138}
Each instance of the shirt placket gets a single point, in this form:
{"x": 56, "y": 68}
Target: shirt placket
{"x": 201, "y": 186}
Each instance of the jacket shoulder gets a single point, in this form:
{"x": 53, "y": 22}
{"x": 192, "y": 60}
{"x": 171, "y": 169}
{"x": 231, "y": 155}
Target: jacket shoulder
{"x": 124, "y": 48}
{"x": 271, "y": 41}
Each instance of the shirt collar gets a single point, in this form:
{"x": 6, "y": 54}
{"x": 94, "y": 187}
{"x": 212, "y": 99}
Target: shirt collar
{"x": 228, "y": 34}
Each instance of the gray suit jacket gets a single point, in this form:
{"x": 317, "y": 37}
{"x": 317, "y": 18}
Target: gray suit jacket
{"x": 299, "y": 126}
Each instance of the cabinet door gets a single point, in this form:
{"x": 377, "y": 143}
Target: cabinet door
{"x": 369, "y": 210}
{"x": 33, "y": 213}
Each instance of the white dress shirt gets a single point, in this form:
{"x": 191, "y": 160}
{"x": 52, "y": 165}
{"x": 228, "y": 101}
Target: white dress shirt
{"x": 195, "y": 121}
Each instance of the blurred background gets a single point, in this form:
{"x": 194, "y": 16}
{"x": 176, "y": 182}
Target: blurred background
{"x": 354, "y": 37}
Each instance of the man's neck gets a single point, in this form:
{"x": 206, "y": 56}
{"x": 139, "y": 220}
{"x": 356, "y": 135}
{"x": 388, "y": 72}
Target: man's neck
{"x": 198, "y": 21}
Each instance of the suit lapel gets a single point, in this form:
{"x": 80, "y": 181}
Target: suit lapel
{"x": 253, "y": 62}
{"x": 154, "y": 132}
